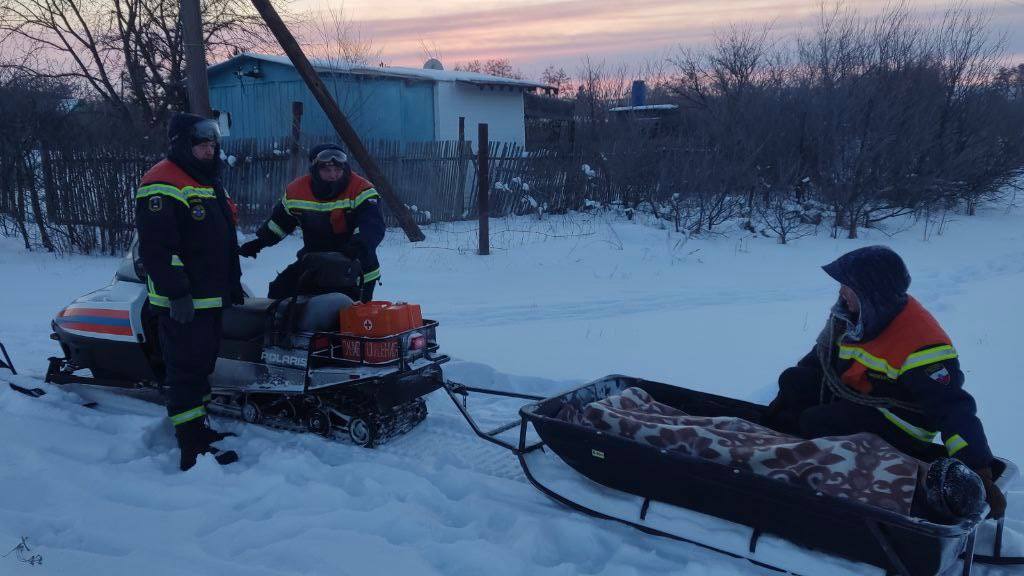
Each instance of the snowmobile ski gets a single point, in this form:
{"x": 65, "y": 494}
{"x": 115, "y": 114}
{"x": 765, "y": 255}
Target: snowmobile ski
{"x": 33, "y": 392}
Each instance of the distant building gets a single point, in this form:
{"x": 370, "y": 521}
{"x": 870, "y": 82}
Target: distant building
{"x": 382, "y": 103}
{"x": 652, "y": 119}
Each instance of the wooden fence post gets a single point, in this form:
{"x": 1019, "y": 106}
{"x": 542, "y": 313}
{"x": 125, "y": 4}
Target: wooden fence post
{"x": 460, "y": 196}
{"x": 483, "y": 190}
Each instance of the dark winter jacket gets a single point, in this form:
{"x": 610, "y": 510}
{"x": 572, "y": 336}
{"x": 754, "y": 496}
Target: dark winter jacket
{"x": 902, "y": 353}
{"x": 186, "y": 225}
{"x": 350, "y": 221}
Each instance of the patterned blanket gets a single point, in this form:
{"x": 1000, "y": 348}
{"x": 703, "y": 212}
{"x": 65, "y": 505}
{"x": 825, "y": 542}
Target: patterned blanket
{"x": 861, "y": 467}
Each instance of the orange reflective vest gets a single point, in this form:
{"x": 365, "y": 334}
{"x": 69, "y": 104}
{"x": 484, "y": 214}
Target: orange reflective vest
{"x": 913, "y": 339}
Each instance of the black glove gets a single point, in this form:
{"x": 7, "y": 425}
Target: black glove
{"x": 182, "y": 310}
{"x": 251, "y": 248}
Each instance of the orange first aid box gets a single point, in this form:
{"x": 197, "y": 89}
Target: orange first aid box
{"x": 377, "y": 319}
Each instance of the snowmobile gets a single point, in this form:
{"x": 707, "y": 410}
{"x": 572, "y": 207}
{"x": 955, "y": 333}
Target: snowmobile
{"x": 727, "y": 509}
{"x": 282, "y": 363}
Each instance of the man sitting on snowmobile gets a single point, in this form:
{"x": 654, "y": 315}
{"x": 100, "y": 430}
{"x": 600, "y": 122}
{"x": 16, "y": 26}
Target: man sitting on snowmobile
{"x": 337, "y": 211}
{"x": 882, "y": 364}
{"x": 188, "y": 247}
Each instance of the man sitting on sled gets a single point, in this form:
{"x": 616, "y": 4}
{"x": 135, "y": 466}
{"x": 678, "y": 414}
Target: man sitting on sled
{"x": 883, "y": 365}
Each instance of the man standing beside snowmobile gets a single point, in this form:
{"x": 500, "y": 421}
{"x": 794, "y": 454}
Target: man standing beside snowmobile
{"x": 337, "y": 211}
{"x": 188, "y": 246}
{"x": 882, "y": 364}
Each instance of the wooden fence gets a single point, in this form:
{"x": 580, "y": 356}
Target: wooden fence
{"x": 85, "y": 196}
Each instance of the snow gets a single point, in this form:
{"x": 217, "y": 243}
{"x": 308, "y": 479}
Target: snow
{"x": 560, "y": 301}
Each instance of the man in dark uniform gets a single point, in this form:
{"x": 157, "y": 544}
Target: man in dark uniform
{"x": 188, "y": 246}
{"x": 883, "y": 365}
{"x": 337, "y": 211}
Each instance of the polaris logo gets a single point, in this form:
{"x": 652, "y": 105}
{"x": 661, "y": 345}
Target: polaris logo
{"x": 283, "y": 359}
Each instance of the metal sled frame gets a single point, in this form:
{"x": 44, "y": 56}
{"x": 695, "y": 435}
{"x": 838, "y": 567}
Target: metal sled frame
{"x": 459, "y": 394}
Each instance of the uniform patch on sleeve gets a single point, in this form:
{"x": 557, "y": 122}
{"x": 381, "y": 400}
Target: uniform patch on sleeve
{"x": 198, "y": 211}
{"x": 940, "y": 374}
{"x": 156, "y": 203}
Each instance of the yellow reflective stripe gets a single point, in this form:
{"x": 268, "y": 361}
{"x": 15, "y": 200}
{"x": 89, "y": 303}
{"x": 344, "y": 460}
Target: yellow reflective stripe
{"x": 182, "y": 195}
{"x": 929, "y": 356}
{"x": 276, "y": 229}
{"x": 205, "y": 303}
{"x": 165, "y": 302}
{"x": 290, "y": 205}
{"x": 188, "y": 415}
{"x": 371, "y": 275}
{"x": 157, "y": 300}
{"x": 197, "y": 192}
{"x": 863, "y": 357}
{"x": 955, "y": 444}
{"x": 161, "y": 190}
{"x": 364, "y": 196}
{"x": 154, "y": 298}
{"x": 176, "y": 261}
{"x": 918, "y": 433}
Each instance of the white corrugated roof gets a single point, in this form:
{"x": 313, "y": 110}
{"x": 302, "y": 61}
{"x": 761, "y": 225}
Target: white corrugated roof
{"x": 645, "y": 107}
{"x": 329, "y": 65}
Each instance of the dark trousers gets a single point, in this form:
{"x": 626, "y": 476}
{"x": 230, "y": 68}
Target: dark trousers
{"x": 800, "y": 409}
{"x": 190, "y": 354}
{"x": 287, "y": 284}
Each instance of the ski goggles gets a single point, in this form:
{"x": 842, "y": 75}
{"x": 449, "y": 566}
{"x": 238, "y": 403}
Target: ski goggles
{"x": 205, "y": 131}
{"x": 331, "y": 155}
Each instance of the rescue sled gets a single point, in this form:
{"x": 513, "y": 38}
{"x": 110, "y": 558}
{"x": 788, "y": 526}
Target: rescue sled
{"x": 282, "y": 363}
{"x": 721, "y": 508}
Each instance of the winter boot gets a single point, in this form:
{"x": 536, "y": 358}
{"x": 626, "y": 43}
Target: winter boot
{"x": 193, "y": 441}
{"x": 210, "y": 435}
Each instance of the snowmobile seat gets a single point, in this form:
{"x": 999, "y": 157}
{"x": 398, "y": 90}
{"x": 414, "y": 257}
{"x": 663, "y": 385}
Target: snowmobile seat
{"x": 322, "y": 313}
{"x": 246, "y": 321}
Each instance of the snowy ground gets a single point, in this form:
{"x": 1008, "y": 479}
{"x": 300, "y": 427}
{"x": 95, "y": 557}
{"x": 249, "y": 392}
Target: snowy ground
{"x": 559, "y": 302}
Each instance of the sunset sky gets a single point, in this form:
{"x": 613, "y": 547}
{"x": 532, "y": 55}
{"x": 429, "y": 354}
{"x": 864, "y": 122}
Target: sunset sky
{"x": 535, "y": 33}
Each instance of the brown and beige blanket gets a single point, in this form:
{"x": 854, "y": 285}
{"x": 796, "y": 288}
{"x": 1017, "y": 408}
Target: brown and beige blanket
{"x": 861, "y": 467}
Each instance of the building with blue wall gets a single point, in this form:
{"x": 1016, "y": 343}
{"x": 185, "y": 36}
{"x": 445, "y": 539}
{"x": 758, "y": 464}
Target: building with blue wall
{"x": 382, "y": 103}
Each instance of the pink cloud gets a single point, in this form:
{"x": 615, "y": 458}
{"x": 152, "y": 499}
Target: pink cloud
{"x": 534, "y": 33}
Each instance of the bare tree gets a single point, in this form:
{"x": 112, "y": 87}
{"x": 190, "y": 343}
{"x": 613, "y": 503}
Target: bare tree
{"x": 494, "y": 66}
{"x": 128, "y": 53}
{"x": 337, "y": 38}
{"x": 556, "y": 77}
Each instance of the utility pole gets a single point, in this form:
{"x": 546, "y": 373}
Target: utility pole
{"x": 195, "y": 58}
{"x": 338, "y": 118}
